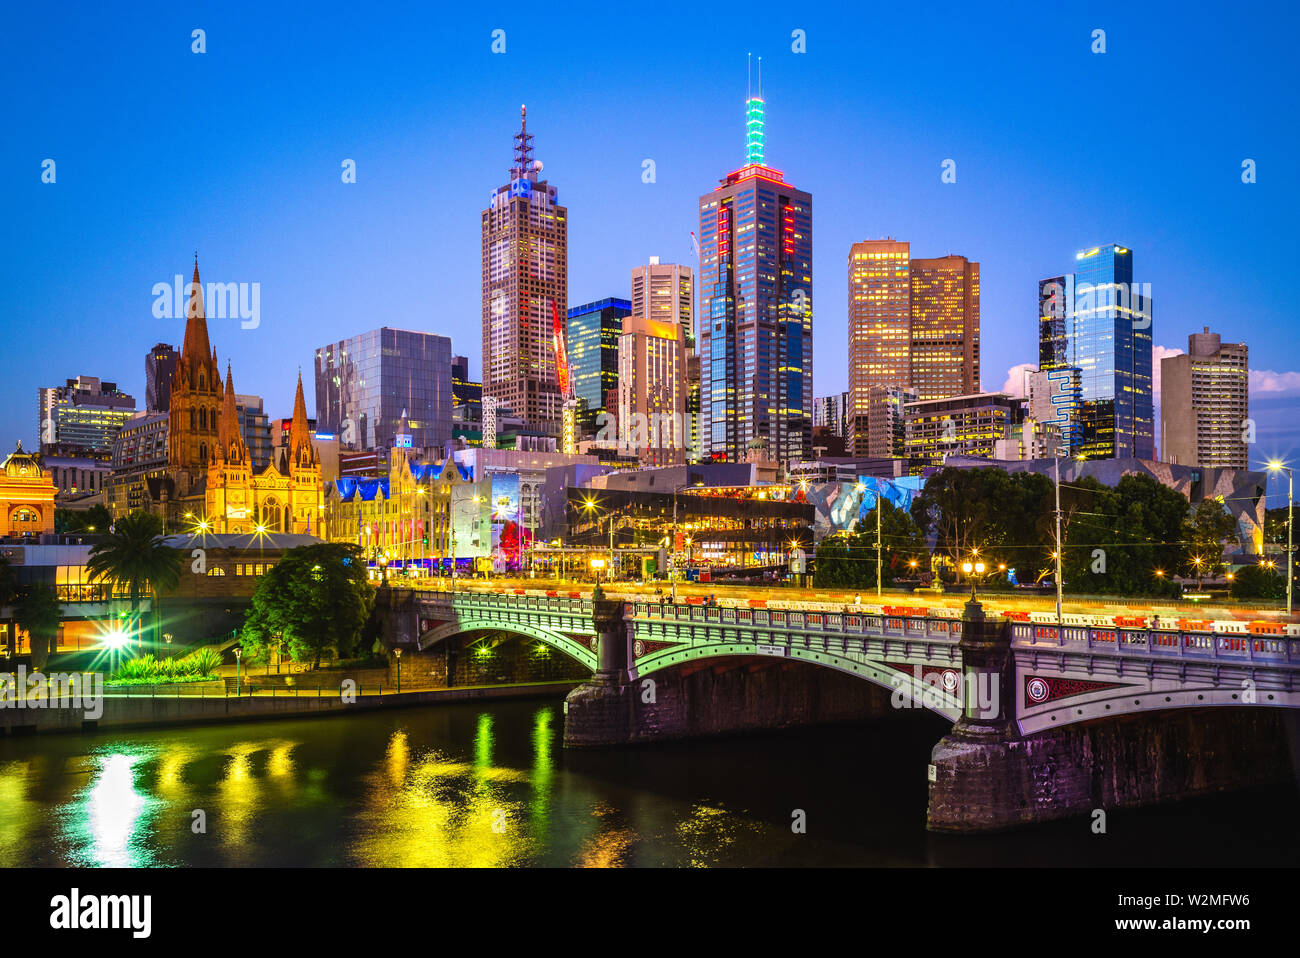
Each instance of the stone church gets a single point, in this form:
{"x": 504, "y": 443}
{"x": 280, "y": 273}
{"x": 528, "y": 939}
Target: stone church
{"x": 209, "y": 483}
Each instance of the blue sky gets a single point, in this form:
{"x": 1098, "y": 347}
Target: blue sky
{"x": 237, "y": 153}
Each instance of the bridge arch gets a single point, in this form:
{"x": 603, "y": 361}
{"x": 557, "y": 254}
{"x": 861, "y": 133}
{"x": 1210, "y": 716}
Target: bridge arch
{"x": 574, "y": 649}
{"x": 907, "y": 691}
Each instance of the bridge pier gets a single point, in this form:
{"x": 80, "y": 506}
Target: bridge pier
{"x": 985, "y": 776}
{"x": 602, "y": 711}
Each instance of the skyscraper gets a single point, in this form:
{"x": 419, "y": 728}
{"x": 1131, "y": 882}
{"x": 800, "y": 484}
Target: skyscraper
{"x": 652, "y": 389}
{"x": 1204, "y": 403}
{"x": 1105, "y": 333}
{"x": 880, "y": 311}
{"x": 592, "y": 336}
{"x": 665, "y": 292}
{"x": 159, "y": 365}
{"x": 82, "y": 417}
{"x": 756, "y": 309}
{"x": 945, "y": 327}
{"x": 364, "y": 383}
{"x": 525, "y": 287}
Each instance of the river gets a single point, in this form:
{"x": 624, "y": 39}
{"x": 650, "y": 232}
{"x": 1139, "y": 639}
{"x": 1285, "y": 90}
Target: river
{"x": 491, "y": 785}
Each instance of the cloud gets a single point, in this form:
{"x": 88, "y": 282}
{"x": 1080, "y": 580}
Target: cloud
{"x": 1267, "y": 381}
{"x": 1015, "y": 383}
{"x": 1158, "y": 353}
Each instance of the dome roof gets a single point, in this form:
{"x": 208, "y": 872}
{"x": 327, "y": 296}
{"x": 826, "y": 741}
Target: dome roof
{"x": 23, "y": 465}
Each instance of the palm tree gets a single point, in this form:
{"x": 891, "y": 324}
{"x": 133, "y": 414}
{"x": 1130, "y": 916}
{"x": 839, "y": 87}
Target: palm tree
{"x": 39, "y": 614}
{"x": 133, "y": 557}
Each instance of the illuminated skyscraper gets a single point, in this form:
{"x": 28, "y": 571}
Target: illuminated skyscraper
{"x": 879, "y": 332}
{"x": 1106, "y": 334}
{"x": 756, "y": 309}
{"x": 525, "y": 286}
{"x": 1205, "y": 403}
{"x": 945, "y": 327}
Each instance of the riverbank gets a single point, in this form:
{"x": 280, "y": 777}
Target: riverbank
{"x": 126, "y": 709}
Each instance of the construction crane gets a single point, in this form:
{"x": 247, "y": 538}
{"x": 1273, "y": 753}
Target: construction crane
{"x": 569, "y": 427}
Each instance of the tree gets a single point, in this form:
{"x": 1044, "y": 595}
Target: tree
{"x": 1127, "y": 540}
{"x": 849, "y": 560}
{"x": 315, "y": 598}
{"x": 1257, "y": 582}
{"x": 1005, "y": 516}
{"x": 134, "y": 558}
{"x": 39, "y": 614}
{"x": 94, "y": 519}
{"x": 1208, "y": 526}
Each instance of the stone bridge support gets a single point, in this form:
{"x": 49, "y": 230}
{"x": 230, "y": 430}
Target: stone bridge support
{"x": 985, "y": 776}
{"x": 709, "y": 697}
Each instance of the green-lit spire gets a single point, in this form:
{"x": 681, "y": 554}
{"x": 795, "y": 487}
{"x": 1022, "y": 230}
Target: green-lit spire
{"x": 754, "y": 134}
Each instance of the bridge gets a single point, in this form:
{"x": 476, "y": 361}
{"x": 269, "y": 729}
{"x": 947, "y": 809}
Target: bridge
{"x": 1014, "y": 690}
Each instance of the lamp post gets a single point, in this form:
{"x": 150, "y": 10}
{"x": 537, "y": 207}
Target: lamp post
{"x": 672, "y": 543}
{"x": 596, "y": 566}
{"x": 238, "y": 655}
{"x": 398, "y": 655}
{"x": 973, "y": 569}
{"x": 1057, "y": 554}
{"x": 167, "y": 637}
{"x": 1276, "y": 466}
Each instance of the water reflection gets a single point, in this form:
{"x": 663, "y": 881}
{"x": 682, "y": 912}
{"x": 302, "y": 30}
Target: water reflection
{"x": 488, "y": 786}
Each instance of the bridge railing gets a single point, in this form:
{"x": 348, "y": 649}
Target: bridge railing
{"x": 1159, "y": 643}
{"x": 839, "y": 623}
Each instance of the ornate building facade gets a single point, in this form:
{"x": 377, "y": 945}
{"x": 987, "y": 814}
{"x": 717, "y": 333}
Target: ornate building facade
{"x": 210, "y": 478}
{"x": 26, "y": 496}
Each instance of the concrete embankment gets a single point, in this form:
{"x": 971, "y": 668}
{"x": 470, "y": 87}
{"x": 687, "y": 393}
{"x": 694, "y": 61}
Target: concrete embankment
{"x": 142, "y": 710}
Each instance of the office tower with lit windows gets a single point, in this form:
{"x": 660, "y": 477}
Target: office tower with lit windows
{"x": 365, "y": 383}
{"x": 593, "y": 333}
{"x": 831, "y": 413}
{"x": 652, "y": 390}
{"x": 525, "y": 244}
{"x": 159, "y": 365}
{"x": 665, "y": 292}
{"x": 944, "y": 352}
{"x": 756, "y": 309}
{"x": 880, "y": 303}
{"x": 82, "y": 417}
{"x": 1205, "y": 402}
{"x": 1105, "y": 333}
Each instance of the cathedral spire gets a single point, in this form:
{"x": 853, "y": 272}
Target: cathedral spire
{"x": 301, "y": 453}
{"x": 230, "y": 441}
{"x": 195, "y": 345}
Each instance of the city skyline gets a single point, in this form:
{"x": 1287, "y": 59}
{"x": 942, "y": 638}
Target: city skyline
{"x": 299, "y": 309}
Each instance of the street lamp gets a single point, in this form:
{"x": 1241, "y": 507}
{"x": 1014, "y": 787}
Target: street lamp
{"x": 1275, "y": 465}
{"x": 397, "y": 653}
{"x": 167, "y": 637}
{"x": 597, "y": 565}
{"x": 238, "y": 655}
{"x": 383, "y": 568}
{"x": 973, "y": 571}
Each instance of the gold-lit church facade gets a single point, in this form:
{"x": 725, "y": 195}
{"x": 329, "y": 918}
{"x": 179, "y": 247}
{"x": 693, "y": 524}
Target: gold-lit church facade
{"x": 210, "y": 481}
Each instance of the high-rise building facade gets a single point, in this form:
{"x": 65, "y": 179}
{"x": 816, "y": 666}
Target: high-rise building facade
{"x": 525, "y": 249}
{"x": 466, "y": 395}
{"x": 1106, "y": 334}
{"x": 364, "y": 384}
{"x": 82, "y": 417}
{"x": 832, "y": 413}
{"x": 666, "y": 292}
{"x": 159, "y": 365}
{"x": 255, "y": 428}
{"x": 756, "y": 310}
{"x": 944, "y": 351}
{"x": 1205, "y": 402}
{"x": 880, "y": 304}
{"x": 959, "y": 426}
{"x": 592, "y": 337}
{"x": 652, "y": 391}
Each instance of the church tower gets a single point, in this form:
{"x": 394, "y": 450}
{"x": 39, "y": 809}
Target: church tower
{"x": 196, "y": 400}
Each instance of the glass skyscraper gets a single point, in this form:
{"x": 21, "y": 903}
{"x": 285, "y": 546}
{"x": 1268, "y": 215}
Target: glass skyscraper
{"x": 1098, "y": 321}
{"x": 364, "y": 383}
{"x": 756, "y": 310}
{"x": 592, "y": 346}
